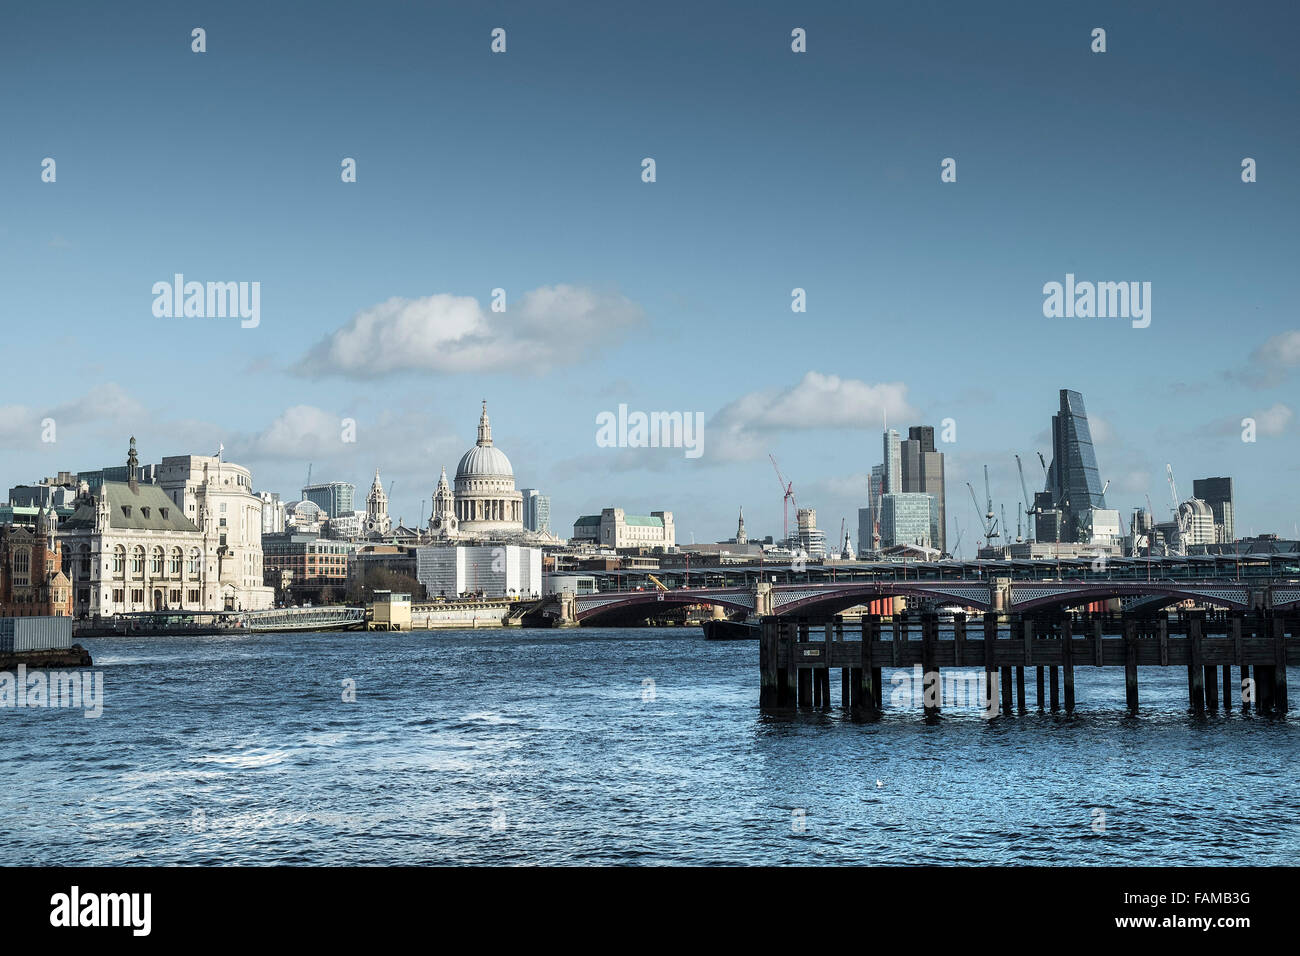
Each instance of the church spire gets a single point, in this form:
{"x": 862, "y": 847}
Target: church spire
{"x": 484, "y": 427}
{"x": 133, "y": 468}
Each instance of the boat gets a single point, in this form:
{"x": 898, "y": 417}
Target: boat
{"x": 720, "y": 629}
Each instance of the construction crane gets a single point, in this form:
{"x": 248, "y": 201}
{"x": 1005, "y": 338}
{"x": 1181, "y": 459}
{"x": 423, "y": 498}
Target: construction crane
{"x": 659, "y": 585}
{"x": 1030, "y": 510}
{"x": 1019, "y": 537}
{"x": 1182, "y": 519}
{"x": 1004, "y": 517}
{"x": 956, "y": 547}
{"x": 787, "y": 489}
{"x": 987, "y": 522}
{"x": 846, "y": 550}
{"x": 308, "y": 485}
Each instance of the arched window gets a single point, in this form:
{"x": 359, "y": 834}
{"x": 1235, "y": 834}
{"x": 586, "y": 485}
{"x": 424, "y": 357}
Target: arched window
{"x": 83, "y": 559}
{"x": 195, "y": 562}
{"x": 137, "y": 560}
{"x": 156, "y": 562}
{"x": 119, "y": 559}
{"x": 174, "y": 567}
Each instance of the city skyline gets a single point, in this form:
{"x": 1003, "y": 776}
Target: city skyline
{"x": 376, "y": 296}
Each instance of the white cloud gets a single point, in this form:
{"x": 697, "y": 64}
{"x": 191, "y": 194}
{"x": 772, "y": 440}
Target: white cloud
{"x": 1282, "y": 349}
{"x": 545, "y": 328}
{"x": 1274, "y": 420}
{"x": 744, "y": 428}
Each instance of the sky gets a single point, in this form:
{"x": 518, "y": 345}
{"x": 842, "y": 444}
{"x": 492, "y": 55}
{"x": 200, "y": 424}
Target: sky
{"x": 774, "y": 170}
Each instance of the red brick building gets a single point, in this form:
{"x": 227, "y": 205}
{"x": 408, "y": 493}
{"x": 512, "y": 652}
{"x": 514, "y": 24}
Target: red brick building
{"x": 32, "y": 582}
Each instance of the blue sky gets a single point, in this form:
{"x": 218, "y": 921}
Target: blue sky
{"x": 775, "y": 170}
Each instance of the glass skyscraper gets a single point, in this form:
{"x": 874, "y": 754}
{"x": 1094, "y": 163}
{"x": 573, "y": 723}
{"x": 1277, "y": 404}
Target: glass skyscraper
{"x": 1073, "y": 479}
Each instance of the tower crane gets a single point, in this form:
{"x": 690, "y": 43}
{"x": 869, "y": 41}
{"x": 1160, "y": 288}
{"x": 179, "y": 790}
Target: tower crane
{"x": 1030, "y": 510}
{"x": 787, "y": 488}
{"x": 1182, "y": 519}
{"x": 956, "y": 547}
{"x": 988, "y": 523}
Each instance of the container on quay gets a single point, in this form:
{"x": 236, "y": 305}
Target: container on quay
{"x": 21, "y": 634}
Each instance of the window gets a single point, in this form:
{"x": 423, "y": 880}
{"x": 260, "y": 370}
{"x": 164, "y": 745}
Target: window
{"x": 137, "y": 560}
{"x": 126, "y": 510}
{"x": 144, "y": 512}
{"x": 156, "y": 562}
{"x": 163, "y": 512}
{"x": 174, "y": 596}
{"x": 193, "y": 596}
{"x": 195, "y": 562}
{"x": 137, "y": 596}
{"x": 83, "y": 557}
{"x": 119, "y": 559}
{"x": 174, "y": 566}
{"x": 118, "y": 595}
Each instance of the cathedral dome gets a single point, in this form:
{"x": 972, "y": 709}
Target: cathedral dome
{"x": 484, "y": 461}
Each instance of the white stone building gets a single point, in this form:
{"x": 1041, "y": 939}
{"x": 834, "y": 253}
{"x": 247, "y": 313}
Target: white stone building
{"x": 192, "y": 541}
{"x": 614, "y": 528}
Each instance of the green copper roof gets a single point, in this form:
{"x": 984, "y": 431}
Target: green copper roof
{"x": 146, "y": 509}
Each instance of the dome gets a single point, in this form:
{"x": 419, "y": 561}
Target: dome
{"x": 484, "y": 461}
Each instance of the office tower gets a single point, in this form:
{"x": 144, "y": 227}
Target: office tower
{"x": 537, "y": 510}
{"x": 923, "y": 473}
{"x": 1073, "y": 479}
{"x": 864, "y": 531}
{"x": 907, "y": 518}
{"x": 893, "y": 464}
{"x": 332, "y": 497}
{"x": 1217, "y": 493}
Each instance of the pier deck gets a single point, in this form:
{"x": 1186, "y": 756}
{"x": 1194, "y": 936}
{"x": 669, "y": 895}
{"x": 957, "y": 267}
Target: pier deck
{"x": 796, "y": 656}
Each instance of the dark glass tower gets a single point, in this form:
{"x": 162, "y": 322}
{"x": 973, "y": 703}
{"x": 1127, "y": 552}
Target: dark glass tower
{"x": 1073, "y": 480}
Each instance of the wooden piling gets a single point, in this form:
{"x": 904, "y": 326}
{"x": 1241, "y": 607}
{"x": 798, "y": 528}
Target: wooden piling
{"x": 1130, "y": 666}
{"x": 1211, "y": 688}
{"x": 1006, "y": 690}
{"x": 866, "y": 670}
{"x": 1067, "y": 662}
{"x": 789, "y": 688}
{"x": 931, "y": 685}
{"x": 805, "y": 673}
{"x": 990, "y": 667}
{"x": 1279, "y": 665}
{"x": 1196, "y": 665}
{"x": 1054, "y": 687}
{"x": 1227, "y": 687}
{"x": 1040, "y": 688}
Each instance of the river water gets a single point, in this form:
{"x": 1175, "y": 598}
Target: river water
{"x": 612, "y": 746}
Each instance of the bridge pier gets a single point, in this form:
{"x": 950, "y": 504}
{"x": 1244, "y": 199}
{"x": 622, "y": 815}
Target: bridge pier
{"x": 1130, "y": 667}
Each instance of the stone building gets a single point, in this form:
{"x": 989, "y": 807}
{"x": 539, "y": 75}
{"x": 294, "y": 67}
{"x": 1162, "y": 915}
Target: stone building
{"x": 192, "y": 541}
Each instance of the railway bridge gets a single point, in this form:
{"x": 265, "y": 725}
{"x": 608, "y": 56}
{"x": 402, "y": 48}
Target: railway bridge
{"x": 760, "y": 599}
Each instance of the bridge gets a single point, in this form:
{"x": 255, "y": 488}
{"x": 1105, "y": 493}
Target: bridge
{"x": 1001, "y": 595}
{"x": 305, "y": 619}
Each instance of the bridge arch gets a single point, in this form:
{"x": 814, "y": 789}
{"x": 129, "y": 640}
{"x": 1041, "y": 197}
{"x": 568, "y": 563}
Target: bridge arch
{"x": 591, "y": 606}
{"x": 975, "y": 595}
{"x": 1032, "y": 597}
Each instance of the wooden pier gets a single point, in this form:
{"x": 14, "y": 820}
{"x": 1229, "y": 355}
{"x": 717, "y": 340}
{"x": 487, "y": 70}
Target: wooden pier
{"x": 796, "y": 656}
